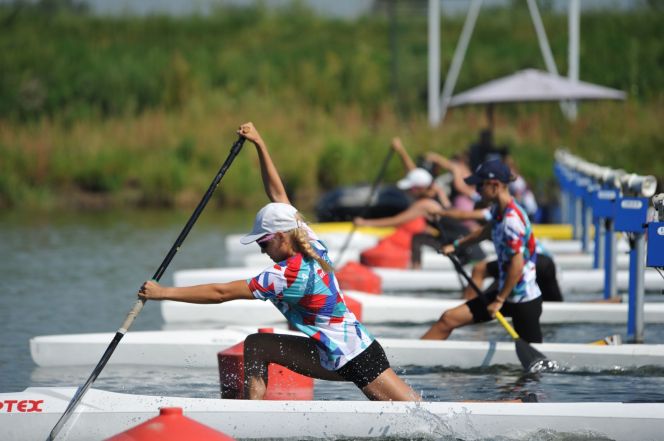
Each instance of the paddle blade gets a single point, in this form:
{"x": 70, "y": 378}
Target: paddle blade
{"x": 531, "y": 359}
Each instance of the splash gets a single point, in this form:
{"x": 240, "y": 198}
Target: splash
{"x": 543, "y": 365}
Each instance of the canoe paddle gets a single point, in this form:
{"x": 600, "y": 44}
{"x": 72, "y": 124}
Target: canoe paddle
{"x": 363, "y": 212}
{"x": 531, "y": 359}
{"x": 138, "y": 306}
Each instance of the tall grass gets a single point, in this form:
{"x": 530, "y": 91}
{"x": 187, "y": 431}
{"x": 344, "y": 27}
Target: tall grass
{"x": 141, "y": 111}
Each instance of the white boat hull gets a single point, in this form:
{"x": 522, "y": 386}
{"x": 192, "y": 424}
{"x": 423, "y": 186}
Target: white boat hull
{"x": 431, "y": 260}
{"x": 570, "y": 281}
{"x": 103, "y": 414}
{"x": 199, "y": 348}
{"x": 362, "y": 241}
{"x": 165, "y": 348}
{"x": 397, "y": 309}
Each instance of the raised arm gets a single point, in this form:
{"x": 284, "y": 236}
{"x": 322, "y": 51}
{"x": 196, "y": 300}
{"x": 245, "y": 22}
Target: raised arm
{"x": 458, "y": 170}
{"x": 439, "y": 160}
{"x": 459, "y": 173}
{"x": 274, "y": 187}
{"x": 400, "y": 150}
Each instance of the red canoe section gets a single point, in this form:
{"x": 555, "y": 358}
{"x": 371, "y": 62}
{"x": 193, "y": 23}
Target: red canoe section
{"x": 171, "y": 425}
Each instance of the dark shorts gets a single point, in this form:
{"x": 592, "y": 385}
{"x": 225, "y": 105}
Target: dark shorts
{"x": 525, "y": 316}
{"x": 365, "y": 367}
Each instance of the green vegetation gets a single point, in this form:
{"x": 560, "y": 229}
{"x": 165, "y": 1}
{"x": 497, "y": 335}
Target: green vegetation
{"x": 98, "y": 112}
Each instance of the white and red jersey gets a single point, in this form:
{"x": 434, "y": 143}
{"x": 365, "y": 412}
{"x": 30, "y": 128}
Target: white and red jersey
{"x": 312, "y": 302}
{"x": 512, "y": 234}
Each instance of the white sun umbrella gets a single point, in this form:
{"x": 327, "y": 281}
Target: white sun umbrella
{"x": 531, "y": 85}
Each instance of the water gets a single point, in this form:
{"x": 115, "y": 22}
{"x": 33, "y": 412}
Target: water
{"x": 79, "y": 273}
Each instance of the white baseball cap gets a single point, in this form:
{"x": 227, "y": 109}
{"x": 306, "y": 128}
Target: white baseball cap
{"x": 273, "y": 218}
{"x": 417, "y": 177}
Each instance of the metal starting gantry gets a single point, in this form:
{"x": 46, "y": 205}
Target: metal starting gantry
{"x": 613, "y": 200}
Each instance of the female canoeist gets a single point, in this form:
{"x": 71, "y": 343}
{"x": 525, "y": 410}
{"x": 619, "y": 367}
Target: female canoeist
{"x": 517, "y": 294}
{"x": 545, "y": 266}
{"x": 302, "y": 285}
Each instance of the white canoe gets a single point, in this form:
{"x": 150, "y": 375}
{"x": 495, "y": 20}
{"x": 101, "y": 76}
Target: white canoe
{"x": 164, "y": 348}
{"x": 570, "y": 281}
{"x": 237, "y": 252}
{"x": 432, "y": 260}
{"x": 199, "y": 348}
{"x": 102, "y": 414}
{"x": 363, "y": 240}
{"x": 385, "y": 308}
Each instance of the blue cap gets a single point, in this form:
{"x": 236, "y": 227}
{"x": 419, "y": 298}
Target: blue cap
{"x": 494, "y": 169}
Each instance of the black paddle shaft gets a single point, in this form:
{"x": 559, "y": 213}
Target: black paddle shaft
{"x": 464, "y": 274}
{"x": 365, "y": 208}
{"x": 376, "y": 182}
{"x": 138, "y": 306}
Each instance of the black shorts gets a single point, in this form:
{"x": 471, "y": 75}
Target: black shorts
{"x": 525, "y": 316}
{"x": 365, "y": 367}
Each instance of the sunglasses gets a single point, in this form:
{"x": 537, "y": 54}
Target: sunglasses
{"x": 265, "y": 240}
{"x": 479, "y": 185}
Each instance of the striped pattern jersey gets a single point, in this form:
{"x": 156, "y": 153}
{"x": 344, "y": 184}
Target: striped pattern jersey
{"x": 512, "y": 233}
{"x": 312, "y": 302}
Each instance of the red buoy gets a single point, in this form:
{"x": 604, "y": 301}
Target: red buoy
{"x": 355, "y": 276}
{"x": 170, "y": 425}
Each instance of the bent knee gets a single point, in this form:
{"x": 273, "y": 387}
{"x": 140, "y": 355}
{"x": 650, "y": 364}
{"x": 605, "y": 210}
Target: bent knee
{"x": 445, "y": 321}
{"x": 455, "y": 317}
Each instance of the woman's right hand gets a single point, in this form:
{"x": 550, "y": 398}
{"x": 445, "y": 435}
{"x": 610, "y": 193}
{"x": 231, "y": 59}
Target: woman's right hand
{"x": 248, "y": 131}
{"x": 447, "y": 249}
{"x": 151, "y": 290}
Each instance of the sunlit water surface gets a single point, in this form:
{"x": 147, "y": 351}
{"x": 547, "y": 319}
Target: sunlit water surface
{"x": 79, "y": 273}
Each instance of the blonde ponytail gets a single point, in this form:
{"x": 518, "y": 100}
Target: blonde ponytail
{"x": 300, "y": 240}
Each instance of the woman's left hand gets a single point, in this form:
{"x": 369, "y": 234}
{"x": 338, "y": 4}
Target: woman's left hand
{"x": 248, "y": 131}
{"x": 494, "y": 307}
{"x": 448, "y": 249}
